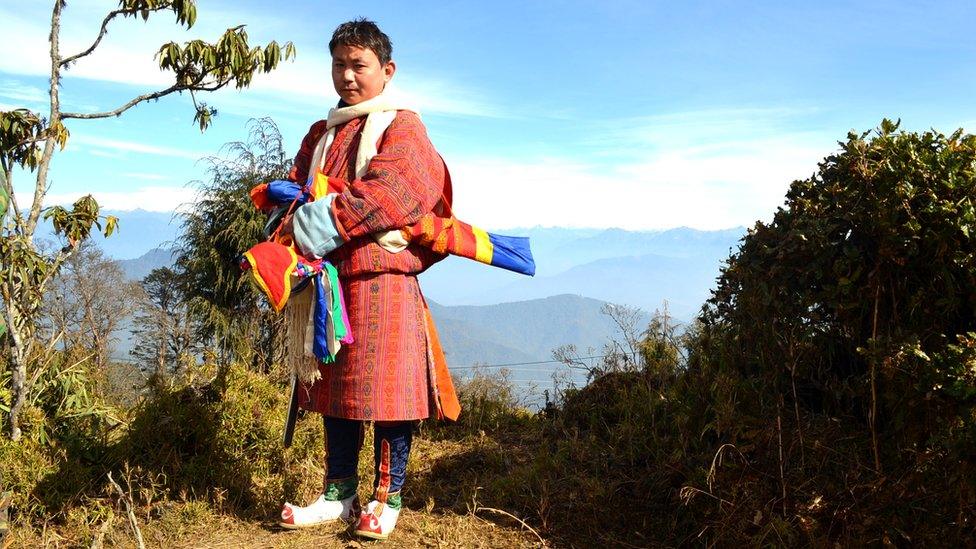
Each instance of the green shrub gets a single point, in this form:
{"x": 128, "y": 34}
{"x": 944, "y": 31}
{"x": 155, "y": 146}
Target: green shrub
{"x": 488, "y": 403}
{"x": 846, "y": 325}
{"x": 221, "y": 441}
{"x": 826, "y": 395}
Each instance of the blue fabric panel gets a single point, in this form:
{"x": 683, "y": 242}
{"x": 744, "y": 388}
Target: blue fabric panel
{"x": 283, "y": 192}
{"x": 512, "y": 253}
{"x": 320, "y": 316}
{"x": 400, "y": 437}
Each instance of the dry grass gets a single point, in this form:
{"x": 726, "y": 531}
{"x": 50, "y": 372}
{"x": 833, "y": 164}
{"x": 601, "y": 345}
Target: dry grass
{"x": 415, "y": 529}
{"x": 440, "y": 511}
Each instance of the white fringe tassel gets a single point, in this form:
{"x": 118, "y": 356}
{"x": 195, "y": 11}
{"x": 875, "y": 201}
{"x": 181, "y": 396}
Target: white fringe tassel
{"x": 300, "y": 358}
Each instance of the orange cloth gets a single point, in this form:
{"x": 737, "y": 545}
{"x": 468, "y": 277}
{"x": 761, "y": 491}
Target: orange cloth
{"x": 445, "y": 396}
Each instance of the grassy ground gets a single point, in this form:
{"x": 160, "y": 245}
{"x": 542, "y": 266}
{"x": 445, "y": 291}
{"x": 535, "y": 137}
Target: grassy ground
{"x": 416, "y": 528}
{"x": 441, "y": 510}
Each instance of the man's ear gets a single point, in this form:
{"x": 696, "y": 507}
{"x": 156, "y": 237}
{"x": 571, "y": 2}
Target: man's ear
{"x": 388, "y": 71}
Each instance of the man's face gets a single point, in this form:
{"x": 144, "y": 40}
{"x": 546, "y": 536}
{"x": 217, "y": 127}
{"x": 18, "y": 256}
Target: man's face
{"x": 357, "y": 73}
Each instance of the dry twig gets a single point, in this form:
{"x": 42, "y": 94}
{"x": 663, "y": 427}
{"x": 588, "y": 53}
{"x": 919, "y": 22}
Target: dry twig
{"x": 100, "y": 538}
{"x": 520, "y": 521}
{"x": 128, "y": 508}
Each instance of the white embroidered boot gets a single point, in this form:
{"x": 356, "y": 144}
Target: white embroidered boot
{"x": 326, "y": 508}
{"x": 380, "y": 519}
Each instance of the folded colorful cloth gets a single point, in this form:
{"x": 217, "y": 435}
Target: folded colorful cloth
{"x": 275, "y": 268}
{"x": 272, "y": 267}
{"x": 442, "y": 233}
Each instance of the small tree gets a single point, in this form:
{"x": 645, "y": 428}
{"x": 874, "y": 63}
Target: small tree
{"x": 29, "y": 140}
{"x": 87, "y": 302}
{"x": 163, "y": 326}
{"x": 222, "y": 224}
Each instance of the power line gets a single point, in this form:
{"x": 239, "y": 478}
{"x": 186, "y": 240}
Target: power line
{"x": 476, "y": 366}
{"x": 471, "y": 366}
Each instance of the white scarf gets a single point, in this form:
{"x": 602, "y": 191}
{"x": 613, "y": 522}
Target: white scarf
{"x": 379, "y": 112}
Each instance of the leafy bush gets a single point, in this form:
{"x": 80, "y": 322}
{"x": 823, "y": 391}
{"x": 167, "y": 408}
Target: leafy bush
{"x": 826, "y": 394}
{"x": 221, "y": 441}
{"x": 488, "y": 403}
{"x": 210, "y": 444}
{"x": 846, "y": 326}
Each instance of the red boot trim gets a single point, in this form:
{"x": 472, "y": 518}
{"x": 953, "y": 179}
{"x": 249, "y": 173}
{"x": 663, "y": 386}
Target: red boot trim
{"x": 369, "y": 523}
{"x": 287, "y": 514}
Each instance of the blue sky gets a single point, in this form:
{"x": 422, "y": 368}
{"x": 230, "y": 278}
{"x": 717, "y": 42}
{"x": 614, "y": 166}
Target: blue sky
{"x": 641, "y": 115}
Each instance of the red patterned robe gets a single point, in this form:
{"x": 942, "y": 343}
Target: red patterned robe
{"x": 388, "y": 373}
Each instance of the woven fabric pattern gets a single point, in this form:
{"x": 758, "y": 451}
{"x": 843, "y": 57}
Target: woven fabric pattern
{"x": 383, "y": 376}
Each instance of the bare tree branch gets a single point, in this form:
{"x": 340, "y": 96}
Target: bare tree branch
{"x": 213, "y": 87}
{"x": 127, "y": 500}
{"x": 62, "y": 256}
{"x": 135, "y": 101}
{"x": 40, "y": 189}
{"x": 101, "y": 34}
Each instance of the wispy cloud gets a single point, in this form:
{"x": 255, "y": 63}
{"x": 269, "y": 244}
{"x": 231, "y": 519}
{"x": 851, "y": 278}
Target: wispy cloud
{"x": 670, "y": 191}
{"x": 145, "y": 176}
{"x": 16, "y": 91}
{"x": 442, "y": 96}
{"x": 153, "y": 198}
{"x": 708, "y": 170}
{"x": 126, "y": 56}
{"x": 34, "y": 98}
{"x": 113, "y": 145}
{"x": 709, "y": 181}
{"x": 304, "y": 87}
{"x": 699, "y": 129}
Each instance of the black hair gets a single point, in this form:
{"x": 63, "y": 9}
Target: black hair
{"x": 365, "y": 34}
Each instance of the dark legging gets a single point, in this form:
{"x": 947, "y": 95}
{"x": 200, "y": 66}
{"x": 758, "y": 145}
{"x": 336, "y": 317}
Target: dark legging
{"x": 391, "y": 450}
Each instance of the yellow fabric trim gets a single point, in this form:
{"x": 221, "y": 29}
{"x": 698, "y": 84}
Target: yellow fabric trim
{"x": 440, "y": 243}
{"x": 426, "y": 229}
{"x": 484, "y": 250}
{"x": 320, "y": 187}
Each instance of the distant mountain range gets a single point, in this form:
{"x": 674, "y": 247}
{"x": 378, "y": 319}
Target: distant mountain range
{"x": 637, "y": 268}
{"x": 138, "y": 268}
{"x": 521, "y": 336}
{"x": 491, "y": 316}
{"x": 523, "y": 330}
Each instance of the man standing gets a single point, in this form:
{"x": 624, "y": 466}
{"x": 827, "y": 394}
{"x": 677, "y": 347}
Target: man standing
{"x": 383, "y": 174}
